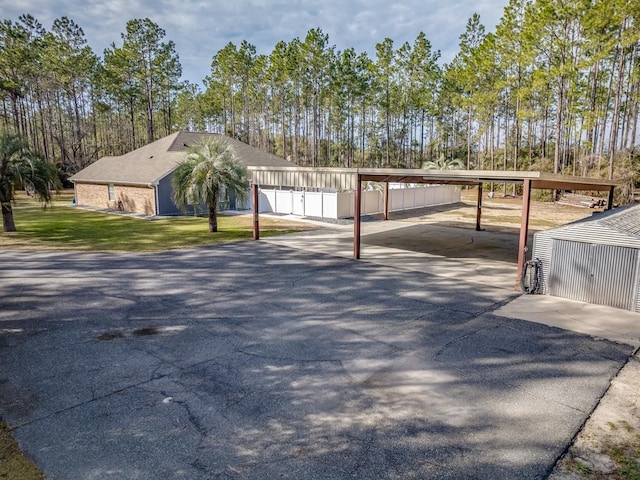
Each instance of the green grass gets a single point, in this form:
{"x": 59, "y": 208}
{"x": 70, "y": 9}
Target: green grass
{"x": 627, "y": 457}
{"x": 61, "y": 226}
{"x": 622, "y": 449}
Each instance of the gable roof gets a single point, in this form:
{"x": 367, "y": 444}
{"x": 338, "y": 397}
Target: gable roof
{"x": 149, "y": 164}
{"x": 620, "y": 226}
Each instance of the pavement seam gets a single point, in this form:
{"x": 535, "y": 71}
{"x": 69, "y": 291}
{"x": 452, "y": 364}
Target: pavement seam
{"x": 287, "y": 359}
{"x": 82, "y": 404}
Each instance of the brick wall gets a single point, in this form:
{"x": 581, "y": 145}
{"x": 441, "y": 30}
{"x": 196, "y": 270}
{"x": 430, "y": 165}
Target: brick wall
{"x": 134, "y": 199}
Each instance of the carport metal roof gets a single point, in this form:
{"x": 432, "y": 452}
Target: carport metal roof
{"x": 346, "y": 178}
{"x": 350, "y": 179}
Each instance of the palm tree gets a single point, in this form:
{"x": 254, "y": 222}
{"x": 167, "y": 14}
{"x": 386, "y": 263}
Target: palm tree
{"x": 22, "y": 168}
{"x": 442, "y": 164}
{"x": 209, "y": 168}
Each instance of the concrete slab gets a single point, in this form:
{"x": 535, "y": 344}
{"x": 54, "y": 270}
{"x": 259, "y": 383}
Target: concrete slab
{"x": 456, "y": 254}
{"x": 253, "y": 360}
{"x": 595, "y": 320}
{"x": 489, "y": 257}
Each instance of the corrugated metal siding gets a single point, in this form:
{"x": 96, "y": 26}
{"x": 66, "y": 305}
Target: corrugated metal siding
{"x": 542, "y": 251}
{"x": 614, "y": 276}
{"x": 593, "y": 232}
{"x": 607, "y": 246}
{"x": 600, "y": 274}
{"x": 637, "y": 302}
{"x": 304, "y": 178}
{"x": 569, "y": 270}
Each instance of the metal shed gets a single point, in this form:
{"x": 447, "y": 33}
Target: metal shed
{"x": 595, "y": 260}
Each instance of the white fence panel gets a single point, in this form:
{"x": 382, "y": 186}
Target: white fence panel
{"x": 341, "y": 205}
{"x": 267, "y": 200}
{"x": 371, "y": 202}
{"x": 430, "y": 196}
{"x": 452, "y": 195}
{"x": 409, "y": 198}
{"x": 345, "y": 205}
{"x": 330, "y": 205}
{"x": 440, "y": 194}
{"x": 313, "y": 204}
{"x": 396, "y": 199}
{"x": 284, "y": 201}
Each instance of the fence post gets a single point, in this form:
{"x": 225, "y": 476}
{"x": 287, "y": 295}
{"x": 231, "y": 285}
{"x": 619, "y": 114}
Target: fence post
{"x": 256, "y": 214}
{"x": 356, "y": 217}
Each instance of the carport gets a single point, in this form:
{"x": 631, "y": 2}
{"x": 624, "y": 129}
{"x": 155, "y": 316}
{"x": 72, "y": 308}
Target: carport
{"x": 353, "y": 178}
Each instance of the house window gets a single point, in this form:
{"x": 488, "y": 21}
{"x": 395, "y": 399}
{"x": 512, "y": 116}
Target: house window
{"x": 112, "y": 192}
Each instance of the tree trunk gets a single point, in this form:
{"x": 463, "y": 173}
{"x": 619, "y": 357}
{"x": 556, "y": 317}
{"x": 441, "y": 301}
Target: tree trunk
{"x": 613, "y": 140}
{"x": 213, "y": 216}
{"x": 364, "y": 126}
{"x": 422, "y": 138}
{"x": 387, "y": 122}
{"x": 7, "y": 218}
{"x": 284, "y": 127}
{"x": 315, "y": 119}
{"x": 558, "y": 158}
{"x": 469, "y": 137}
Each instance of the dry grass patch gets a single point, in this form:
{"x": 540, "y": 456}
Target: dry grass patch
{"x": 14, "y": 464}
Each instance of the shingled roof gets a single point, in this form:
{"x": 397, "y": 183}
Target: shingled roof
{"x": 149, "y": 164}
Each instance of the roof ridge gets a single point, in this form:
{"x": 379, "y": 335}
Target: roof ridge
{"x": 624, "y": 219}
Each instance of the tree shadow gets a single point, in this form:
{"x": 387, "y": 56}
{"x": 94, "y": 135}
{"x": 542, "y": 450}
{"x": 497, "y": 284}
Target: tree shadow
{"x": 267, "y": 362}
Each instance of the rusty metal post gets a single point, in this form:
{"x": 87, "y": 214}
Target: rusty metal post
{"x": 357, "y": 207}
{"x": 479, "y": 208}
{"x": 524, "y": 230}
{"x": 256, "y": 210}
{"x": 610, "y": 199}
{"x": 386, "y": 201}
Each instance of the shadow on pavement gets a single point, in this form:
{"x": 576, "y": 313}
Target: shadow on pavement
{"x": 259, "y": 361}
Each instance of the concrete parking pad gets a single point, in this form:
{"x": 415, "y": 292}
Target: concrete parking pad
{"x": 461, "y": 254}
{"x": 258, "y": 361}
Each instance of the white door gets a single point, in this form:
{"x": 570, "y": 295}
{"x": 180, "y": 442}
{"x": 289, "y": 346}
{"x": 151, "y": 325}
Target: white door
{"x": 298, "y": 203}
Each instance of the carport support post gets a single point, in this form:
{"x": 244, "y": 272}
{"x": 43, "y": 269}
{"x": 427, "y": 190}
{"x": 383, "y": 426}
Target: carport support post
{"x": 256, "y": 209}
{"x": 479, "y": 208}
{"x": 356, "y": 217}
{"x": 386, "y": 201}
{"x": 524, "y": 229}
{"x": 610, "y": 199}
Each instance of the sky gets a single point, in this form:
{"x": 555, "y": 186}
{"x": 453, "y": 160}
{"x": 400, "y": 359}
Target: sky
{"x": 200, "y": 28}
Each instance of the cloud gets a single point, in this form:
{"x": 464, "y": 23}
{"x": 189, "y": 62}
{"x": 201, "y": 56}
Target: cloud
{"x": 201, "y": 28}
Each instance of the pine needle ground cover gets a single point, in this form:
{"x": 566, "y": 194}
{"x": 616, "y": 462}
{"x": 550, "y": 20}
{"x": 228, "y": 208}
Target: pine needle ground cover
{"x": 64, "y": 227}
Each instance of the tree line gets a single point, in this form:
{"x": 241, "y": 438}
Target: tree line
{"x": 556, "y": 87}
{"x": 74, "y": 106}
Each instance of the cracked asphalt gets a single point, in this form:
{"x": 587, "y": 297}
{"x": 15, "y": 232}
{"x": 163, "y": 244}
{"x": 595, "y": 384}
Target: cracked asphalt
{"x": 257, "y": 361}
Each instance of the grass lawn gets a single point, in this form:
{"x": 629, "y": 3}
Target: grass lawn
{"x": 64, "y": 227}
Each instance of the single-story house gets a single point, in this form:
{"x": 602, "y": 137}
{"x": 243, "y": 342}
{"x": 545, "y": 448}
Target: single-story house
{"x": 140, "y": 181}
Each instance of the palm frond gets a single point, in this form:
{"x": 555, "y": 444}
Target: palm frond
{"x": 209, "y": 168}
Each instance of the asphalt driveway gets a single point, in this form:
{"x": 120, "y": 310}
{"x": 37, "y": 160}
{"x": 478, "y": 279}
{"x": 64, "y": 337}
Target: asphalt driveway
{"x": 257, "y": 361}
